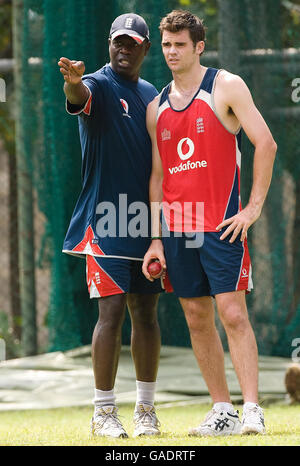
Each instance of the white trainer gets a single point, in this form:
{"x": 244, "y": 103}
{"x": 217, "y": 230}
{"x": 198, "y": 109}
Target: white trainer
{"x": 105, "y": 423}
{"x": 253, "y": 420}
{"x": 217, "y": 423}
{"x": 145, "y": 420}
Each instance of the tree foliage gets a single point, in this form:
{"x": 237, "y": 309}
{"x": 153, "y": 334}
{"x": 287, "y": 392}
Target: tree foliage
{"x": 5, "y": 29}
{"x": 289, "y": 32}
{"x": 6, "y": 123}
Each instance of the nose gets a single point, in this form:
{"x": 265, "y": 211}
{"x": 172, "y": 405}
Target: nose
{"x": 172, "y": 50}
{"x": 126, "y": 49}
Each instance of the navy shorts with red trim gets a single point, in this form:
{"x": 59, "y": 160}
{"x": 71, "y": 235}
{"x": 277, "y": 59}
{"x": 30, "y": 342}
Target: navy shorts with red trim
{"x": 201, "y": 264}
{"x": 109, "y": 276}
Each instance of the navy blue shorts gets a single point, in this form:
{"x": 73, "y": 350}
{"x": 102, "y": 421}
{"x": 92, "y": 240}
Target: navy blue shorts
{"x": 201, "y": 264}
{"x": 110, "y": 276}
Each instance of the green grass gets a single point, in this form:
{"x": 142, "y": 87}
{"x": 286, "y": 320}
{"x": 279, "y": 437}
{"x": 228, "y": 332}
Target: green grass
{"x": 70, "y": 426}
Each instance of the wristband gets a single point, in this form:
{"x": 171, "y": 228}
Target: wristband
{"x": 156, "y": 237}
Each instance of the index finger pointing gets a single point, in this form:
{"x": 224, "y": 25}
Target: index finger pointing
{"x": 65, "y": 61}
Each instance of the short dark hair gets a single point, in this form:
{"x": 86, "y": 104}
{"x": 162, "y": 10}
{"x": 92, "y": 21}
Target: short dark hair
{"x": 178, "y": 20}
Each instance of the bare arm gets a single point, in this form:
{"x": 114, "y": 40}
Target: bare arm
{"x": 74, "y": 89}
{"x": 155, "y": 250}
{"x": 156, "y": 178}
{"x": 239, "y": 99}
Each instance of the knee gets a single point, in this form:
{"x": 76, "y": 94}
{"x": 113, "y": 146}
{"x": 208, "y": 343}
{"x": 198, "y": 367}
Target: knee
{"x": 111, "y": 318}
{"x": 144, "y": 318}
{"x": 143, "y": 310}
{"x": 111, "y": 325}
{"x": 198, "y": 319}
{"x": 234, "y": 318}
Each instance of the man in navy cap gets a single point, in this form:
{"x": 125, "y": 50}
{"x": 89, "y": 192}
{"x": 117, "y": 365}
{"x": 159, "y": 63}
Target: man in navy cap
{"x": 116, "y": 166}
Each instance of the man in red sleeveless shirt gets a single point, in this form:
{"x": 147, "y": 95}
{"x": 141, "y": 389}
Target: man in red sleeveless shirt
{"x": 195, "y": 126}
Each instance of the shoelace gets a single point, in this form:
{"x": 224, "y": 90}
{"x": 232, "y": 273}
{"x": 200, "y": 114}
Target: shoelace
{"x": 210, "y": 415}
{"x": 148, "y": 417}
{"x": 111, "y": 419}
{"x": 253, "y": 414}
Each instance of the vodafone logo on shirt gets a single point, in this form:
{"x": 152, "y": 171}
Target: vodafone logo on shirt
{"x": 191, "y": 148}
{"x": 185, "y": 150}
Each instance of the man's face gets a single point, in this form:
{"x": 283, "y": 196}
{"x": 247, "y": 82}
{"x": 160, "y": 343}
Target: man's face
{"x": 126, "y": 56}
{"x": 179, "y": 51}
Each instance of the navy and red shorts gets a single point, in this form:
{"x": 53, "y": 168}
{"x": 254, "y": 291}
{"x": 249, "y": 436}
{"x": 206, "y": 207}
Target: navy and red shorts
{"x": 108, "y": 276}
{"x": 201, "y": 264}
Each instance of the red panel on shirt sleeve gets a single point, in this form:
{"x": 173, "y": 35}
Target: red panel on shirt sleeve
{"x": 88, "y": 105}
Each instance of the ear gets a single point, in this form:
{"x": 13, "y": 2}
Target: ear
{"x": 147, "y": 47}
{"x": 200, "y": 47}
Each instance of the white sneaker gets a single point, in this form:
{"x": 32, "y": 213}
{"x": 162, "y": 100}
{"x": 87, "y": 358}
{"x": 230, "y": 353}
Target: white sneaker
{"x": 105, "y": 423}
{"x": 146, "y": 422}
{"x": 253, "y": 420}
{"x": 218, "y": 422}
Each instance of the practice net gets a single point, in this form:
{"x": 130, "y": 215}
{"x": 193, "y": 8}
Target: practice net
{"x": 258, "y": 40}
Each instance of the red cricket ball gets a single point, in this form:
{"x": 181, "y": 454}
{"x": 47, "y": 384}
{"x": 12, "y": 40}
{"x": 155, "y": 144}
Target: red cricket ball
{"x": 155, "y": 269}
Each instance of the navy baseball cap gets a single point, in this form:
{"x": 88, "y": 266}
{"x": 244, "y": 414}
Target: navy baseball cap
{"x": 131, "y": 25}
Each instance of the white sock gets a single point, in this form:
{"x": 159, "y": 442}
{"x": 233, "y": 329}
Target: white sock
{"x": 249, "y": 405}
{"x": 223, "y": 406}
{"x": 145, "y": 392}
{"x": 104, "y": 397}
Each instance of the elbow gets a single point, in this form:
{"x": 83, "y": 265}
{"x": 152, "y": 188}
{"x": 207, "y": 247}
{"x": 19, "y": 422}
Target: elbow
{"x": 273, "y": 145}
{"x": 269, "y": 146}
{"x": 273, "y": 148}
{"x": 156, "y": 178}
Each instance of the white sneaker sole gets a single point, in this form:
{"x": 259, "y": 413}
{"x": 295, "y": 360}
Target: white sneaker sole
{"x": 146, "y": 434}
{"x": 109, "y": 436}
{"x": 94, "y": 434}
{"x": 213, "y": 434}
{"x": 227, "y": 434}
{"x": 251, "y": 430}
